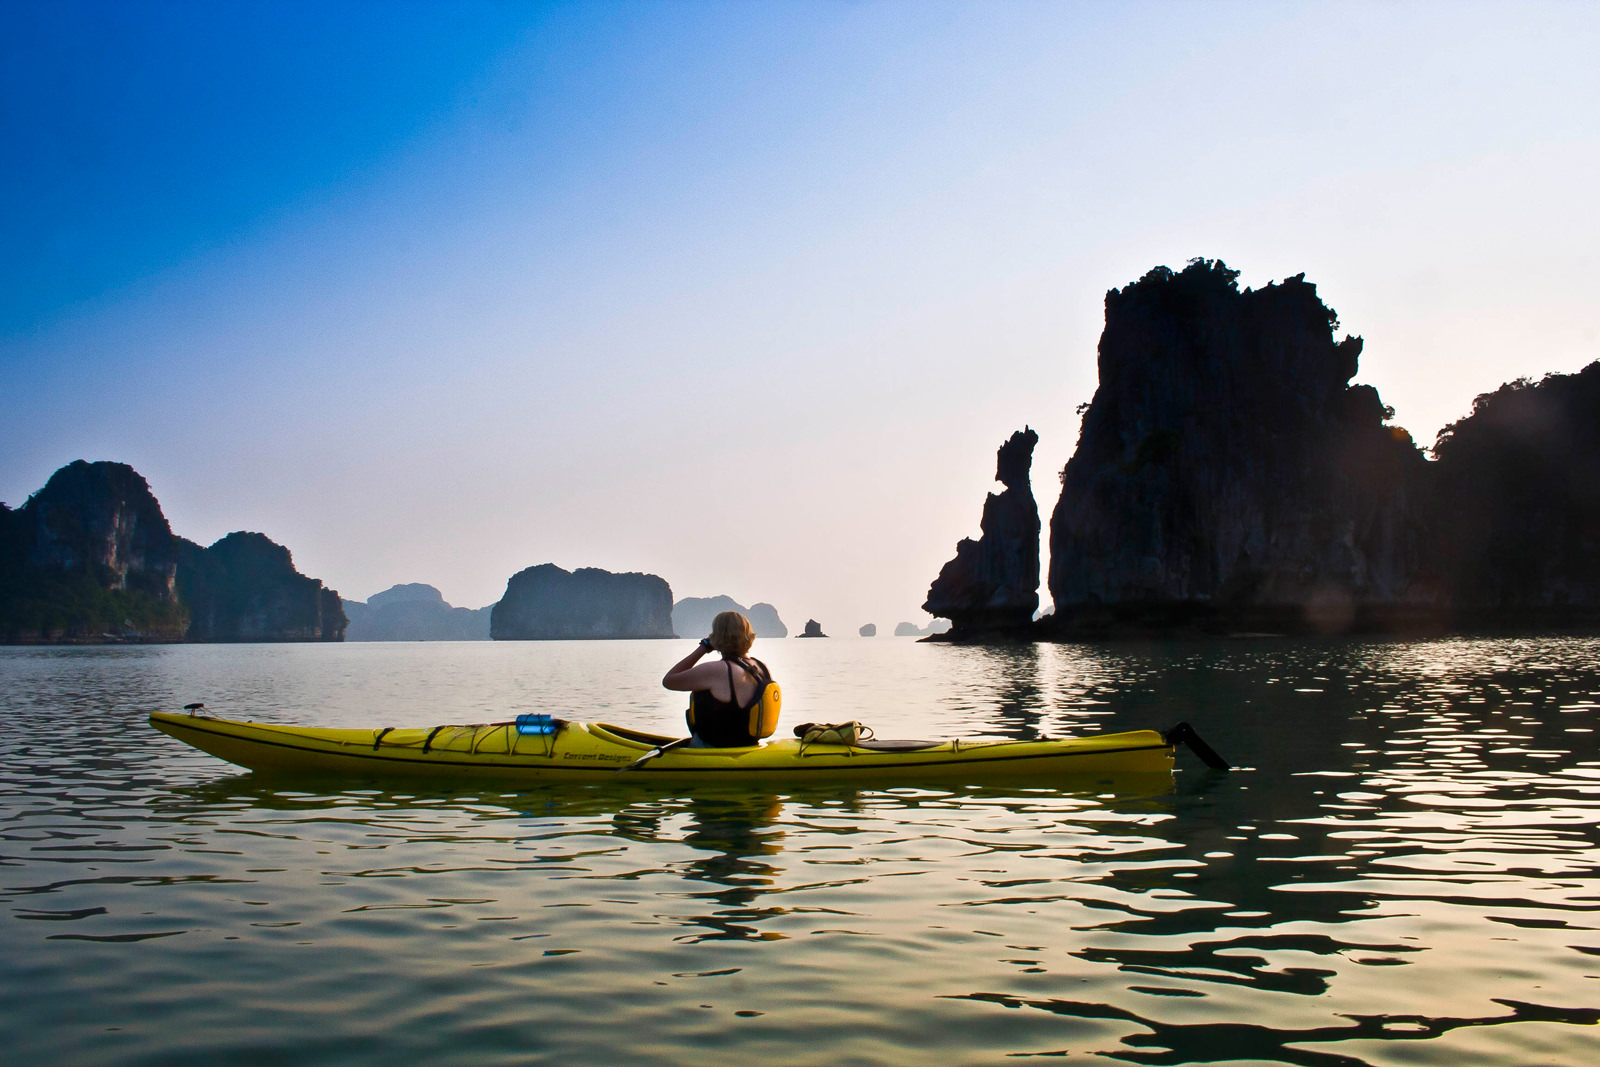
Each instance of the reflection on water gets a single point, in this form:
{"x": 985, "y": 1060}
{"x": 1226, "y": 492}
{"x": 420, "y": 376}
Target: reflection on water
{"x": 1403, "y": 872}
{"x": 1232, "y": 1041}
{"x": 735, "y": 837}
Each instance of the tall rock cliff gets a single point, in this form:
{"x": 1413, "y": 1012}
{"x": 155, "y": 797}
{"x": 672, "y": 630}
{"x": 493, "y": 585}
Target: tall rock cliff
{"x": 1517, "y": 525}
{"x": 546, "y": 603}
{"x": 90, "y": 556}
{"x": 993, "y": 583}
{"x": 1227, "y": 470}
{"x": 245, "y": 588}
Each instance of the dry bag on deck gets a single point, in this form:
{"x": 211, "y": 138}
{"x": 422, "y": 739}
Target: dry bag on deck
{"x": 832, "y": 733}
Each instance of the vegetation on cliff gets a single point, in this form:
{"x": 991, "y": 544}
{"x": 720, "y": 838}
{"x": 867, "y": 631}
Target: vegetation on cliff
{"x": 245, "y": 588}
{"x": 1517, "y": 511}
{"x": 89, "y": 557}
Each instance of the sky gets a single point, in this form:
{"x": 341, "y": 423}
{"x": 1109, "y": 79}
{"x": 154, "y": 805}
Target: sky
{"x": 741, "y": 294}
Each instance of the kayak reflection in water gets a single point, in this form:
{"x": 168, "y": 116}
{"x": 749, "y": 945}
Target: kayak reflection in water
{"x": 734, "y": 703}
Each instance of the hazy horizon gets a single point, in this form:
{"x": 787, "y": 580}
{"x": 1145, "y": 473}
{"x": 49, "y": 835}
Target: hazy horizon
{"x": 745, "y": 296}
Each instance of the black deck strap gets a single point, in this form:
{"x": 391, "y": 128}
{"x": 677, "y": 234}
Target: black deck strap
{"x": 426, "y": 745}
{"x": 1184, "y": 734}
{"x": 376, "y": 741}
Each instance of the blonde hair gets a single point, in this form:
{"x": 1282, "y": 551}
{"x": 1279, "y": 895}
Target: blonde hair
{"x": 732, "y": 634}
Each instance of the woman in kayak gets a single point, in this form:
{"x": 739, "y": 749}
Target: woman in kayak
{"x": 734, "y": 703}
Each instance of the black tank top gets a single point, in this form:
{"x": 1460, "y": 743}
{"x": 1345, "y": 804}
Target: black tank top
{"x": 726, "y": 723}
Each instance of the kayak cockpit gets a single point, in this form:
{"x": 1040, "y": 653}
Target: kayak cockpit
{"x": 622, "y": 736}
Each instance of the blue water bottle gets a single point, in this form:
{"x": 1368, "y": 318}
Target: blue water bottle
{"x": 536, "y": 724}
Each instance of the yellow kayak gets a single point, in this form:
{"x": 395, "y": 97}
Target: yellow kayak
{"x": 597, "y": 751}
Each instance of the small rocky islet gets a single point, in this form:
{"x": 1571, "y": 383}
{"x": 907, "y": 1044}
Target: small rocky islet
{"x": 911, "y": 629}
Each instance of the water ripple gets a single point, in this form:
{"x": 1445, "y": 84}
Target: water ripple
{"x": 1403, "y": 871}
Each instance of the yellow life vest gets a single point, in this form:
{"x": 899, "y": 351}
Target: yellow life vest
{"x": 764, "y": 712}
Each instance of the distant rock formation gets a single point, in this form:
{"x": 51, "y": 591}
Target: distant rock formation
{"x": 1227, "y": 472}
{"x": 813, "y": 629}
{"x": 993, "y": 583}
{"x": 869, "y": 630}
{"x": 1517, "y": 517}
{"x": 413, "y": 612}
{"x": 691, "y": 616}
{"x": 910, "y": 629}
{"x": 245, "y": 588}
{"x": 764, "y": 618}
{"x": 548, "y": 603}
{"x": 89, "y": 557}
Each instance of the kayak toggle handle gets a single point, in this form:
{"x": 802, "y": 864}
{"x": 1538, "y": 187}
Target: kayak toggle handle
{"x": 1184, "y": 734}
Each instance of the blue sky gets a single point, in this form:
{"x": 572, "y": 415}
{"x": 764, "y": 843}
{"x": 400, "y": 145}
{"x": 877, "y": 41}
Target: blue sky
{"x": 742, "y": 294}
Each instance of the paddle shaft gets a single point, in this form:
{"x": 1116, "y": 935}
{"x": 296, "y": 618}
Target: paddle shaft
{"x": 1185, "y": 734}
{"x": 653, "y": 753}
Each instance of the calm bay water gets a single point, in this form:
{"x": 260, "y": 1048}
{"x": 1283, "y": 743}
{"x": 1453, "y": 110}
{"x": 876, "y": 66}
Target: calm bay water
{"x": 1402, "y": 872}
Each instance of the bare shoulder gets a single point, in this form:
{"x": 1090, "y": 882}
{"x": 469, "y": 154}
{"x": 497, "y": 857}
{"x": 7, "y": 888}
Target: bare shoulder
{"x": 699, "y": 676}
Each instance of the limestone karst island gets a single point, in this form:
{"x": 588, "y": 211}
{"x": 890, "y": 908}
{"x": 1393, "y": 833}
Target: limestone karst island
{"x": 1228, "y": 477}
{"x": 91, "y": 559}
